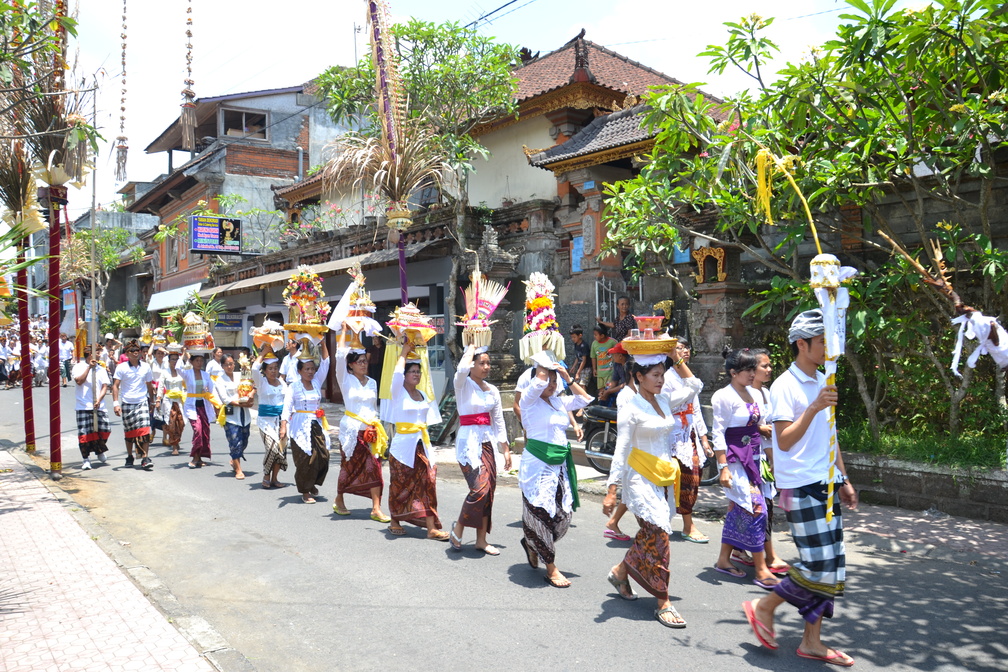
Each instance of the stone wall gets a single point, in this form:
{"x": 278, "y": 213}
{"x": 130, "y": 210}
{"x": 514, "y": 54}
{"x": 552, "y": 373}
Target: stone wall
{"x": 972, "y": 493}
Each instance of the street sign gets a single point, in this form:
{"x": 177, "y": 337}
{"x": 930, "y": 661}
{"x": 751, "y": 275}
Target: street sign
{"x": 229, "y": 322}
{"x": 213, "y": 234}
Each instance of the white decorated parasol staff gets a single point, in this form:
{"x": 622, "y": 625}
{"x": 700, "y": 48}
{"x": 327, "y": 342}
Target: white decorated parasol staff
{"x": 827, "y": 278}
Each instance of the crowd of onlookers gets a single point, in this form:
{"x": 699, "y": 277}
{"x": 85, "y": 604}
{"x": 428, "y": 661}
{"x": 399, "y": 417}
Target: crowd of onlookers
{"x": 10, "y": 352}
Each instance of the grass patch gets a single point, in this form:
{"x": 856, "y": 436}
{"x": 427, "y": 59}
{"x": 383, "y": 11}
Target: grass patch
{"x": 975, "y": 449}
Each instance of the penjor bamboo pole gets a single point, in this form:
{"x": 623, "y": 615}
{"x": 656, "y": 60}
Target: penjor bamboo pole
{"x": 55, "y": 297}
{"x": 24, "y": 328}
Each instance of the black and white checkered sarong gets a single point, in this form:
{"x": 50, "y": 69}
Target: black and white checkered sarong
{"x": 136, "y": 420}
{"x": 822, "y": 567}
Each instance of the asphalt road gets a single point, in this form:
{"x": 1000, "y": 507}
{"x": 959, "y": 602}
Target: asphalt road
{"x": 294, "y": 587}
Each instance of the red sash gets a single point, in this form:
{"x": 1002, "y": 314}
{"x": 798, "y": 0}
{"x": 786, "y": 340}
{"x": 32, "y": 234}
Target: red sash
{"x": 474, "y": 419}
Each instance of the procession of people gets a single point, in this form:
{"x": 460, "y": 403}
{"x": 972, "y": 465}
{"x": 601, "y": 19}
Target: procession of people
{"x": 771, "y": 446}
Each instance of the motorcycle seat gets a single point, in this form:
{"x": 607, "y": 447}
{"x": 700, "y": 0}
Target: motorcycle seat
{"x": 600, "y": 413}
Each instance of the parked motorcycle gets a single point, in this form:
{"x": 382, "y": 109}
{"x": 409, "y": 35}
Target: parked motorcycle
{"x": 599, "y": 428}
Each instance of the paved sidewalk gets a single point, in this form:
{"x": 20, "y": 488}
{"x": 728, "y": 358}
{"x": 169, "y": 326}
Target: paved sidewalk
{"x": 64, "y": 604}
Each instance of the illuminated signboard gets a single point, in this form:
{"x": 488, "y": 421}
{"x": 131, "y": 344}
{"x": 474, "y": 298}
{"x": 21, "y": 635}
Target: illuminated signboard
{"x": 211, "y": 234}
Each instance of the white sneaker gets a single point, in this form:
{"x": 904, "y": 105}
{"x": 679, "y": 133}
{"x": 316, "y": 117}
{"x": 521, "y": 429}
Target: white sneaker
{"x": 85, "y": 465}
{"x": 101, "y": 458}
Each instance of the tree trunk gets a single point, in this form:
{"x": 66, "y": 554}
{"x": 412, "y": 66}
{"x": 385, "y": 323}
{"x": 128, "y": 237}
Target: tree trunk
{"x": 867, "y": 399}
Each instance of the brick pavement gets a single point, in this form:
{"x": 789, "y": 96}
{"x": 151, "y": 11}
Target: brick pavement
{"x": 64, "y": 604}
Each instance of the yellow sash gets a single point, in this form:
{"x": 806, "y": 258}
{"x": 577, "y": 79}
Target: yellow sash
{"x": 380, "y": 445}
{"x": 176, "y": 395}
{"x": 662, "y": 473}
{"x": 325, "y": 423}
{"x": 413, "y": 428}
{"x": 208, "y": 396}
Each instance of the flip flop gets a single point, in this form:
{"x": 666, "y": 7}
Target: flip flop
{"x": 764, "y": 583}
{"x": 438, "y": 535}
{"x": 780, "y": 569}
{"x": 456, "y": 542}
{"x": 532, "y": 557}
{"x": 734, "y": 571}
{"x": 490, "y": 550}
{"x": 670, "y": 610}
{"x": 379, "y": 519}
{"x": 555, "y": 584}
{"x": 397, "y": 531}
{"x": 616, "y": 536}
{"x": 764, "y": 635}
{"x": 339, "y": 511}
{"x": 617, "y": 584}
{"x": 266, "y": 485}
{"x": 695, "y": 539}
{"x": 838, "y": 658}
{"x": 742, "y": 560}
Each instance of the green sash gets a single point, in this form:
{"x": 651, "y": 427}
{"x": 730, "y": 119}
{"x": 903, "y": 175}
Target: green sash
{"x": 551, "y": 453}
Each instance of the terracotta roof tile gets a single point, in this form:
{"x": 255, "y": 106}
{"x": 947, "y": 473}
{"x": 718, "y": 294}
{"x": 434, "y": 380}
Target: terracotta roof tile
{"x": 610, "y": 70}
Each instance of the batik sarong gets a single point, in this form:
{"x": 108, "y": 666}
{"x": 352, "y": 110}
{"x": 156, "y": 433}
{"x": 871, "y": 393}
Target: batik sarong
{"x": 92, "y": 441}
{"x": 173, "y": 428}
{"x": 689, "y": 485}
{"x": 818, "y": 577}
{"x": 747, "y": 531}
{"x": 310, "y": 470}
{"x": 201, "y": 432}
{"x": 275, "y": 454}
{"x": 360, "y": 472}
{"x": 482, "y": 481}
{"x": 237, "y": 438}
{"x": 647, "y": 561}
{"x": 413, "y": 492}
{"x": 543, "y": 531}
{"x": 136, "y": 421}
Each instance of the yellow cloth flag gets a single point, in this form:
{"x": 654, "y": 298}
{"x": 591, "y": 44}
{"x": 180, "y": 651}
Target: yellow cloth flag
{"x": 662, "y": 473}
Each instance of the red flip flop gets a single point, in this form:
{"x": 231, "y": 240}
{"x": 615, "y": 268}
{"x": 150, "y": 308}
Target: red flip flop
{"x": 837, "y": 658}
{"x": 764, "y": 635}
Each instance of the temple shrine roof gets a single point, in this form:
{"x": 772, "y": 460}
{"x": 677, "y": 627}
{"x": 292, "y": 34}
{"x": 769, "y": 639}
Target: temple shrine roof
{"x": 624, "y": 128}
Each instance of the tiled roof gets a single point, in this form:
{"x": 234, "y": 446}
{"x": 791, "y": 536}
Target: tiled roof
{"x": 611, "y": 130}
{"x": 609, "y": 69}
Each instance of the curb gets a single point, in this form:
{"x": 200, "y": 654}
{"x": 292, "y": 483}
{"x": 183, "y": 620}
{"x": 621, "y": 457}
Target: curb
{"x": 209, "y": 643}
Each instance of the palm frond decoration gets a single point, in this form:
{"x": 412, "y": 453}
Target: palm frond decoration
{"x": 18, "y": 200}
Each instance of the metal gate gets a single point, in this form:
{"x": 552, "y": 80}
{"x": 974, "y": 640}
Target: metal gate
{"x": 605, "y": 300}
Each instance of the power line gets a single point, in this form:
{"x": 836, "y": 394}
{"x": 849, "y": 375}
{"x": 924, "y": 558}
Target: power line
{"x": 476, "y": 21}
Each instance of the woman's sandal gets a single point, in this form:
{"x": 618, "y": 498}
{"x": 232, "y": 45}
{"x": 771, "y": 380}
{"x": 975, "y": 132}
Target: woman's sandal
{"x": 456, "y": 542}
{"x": 438, "y": 535}
{"x": 266, "y": 485}
{"x": 397, "y": 531}
{"x": 620, "y": 585}
{"x": 681, "y": 623}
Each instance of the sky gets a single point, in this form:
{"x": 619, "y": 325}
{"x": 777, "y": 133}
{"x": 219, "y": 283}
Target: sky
{"x": 256, "y": 45}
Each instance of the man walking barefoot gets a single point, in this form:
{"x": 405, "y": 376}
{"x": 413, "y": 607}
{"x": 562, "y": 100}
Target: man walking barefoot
{"x": 800, "y": 400}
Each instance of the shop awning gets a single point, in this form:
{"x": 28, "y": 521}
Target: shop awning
{"x": 171, "y": 298}
{"x": 326, "y": 269}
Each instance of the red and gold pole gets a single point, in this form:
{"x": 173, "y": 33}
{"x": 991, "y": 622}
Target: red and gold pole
{"x": 26, "y": 377}
{"x": 51, "y": 198}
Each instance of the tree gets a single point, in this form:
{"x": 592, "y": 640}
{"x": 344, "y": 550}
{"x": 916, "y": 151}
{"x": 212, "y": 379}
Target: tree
{"x": 902, "y": 114}
{"x": 454, "y": 79}
{"x": 113, "y": 247}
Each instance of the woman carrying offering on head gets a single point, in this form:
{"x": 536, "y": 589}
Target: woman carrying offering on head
{"x": 171, "y": 397}
{"x": 412, "y": 472}
{"x": 237, "y": 413}
{"x": 270, "y": 388}
{"x": 481, "y": 425}
{"x": 646, "y": 466}
{"x": 362, "y": 437}
{"x": 547, "y": 476}
{"x": 303, "y": 419}
{"x": 200, "y": 400}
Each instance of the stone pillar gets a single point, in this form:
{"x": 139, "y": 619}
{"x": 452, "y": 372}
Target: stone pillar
{"x": 716, "y": 322}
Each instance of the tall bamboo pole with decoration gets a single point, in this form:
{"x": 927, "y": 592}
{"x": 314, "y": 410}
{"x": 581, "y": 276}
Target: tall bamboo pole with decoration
{"x": 826, "y": 279}
{"x": 405, "y": 157}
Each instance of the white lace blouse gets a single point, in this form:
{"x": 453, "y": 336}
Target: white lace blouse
{"x": 729, "y": 410}
{"x": 269, "y": 395}
{"x": 547, "y": 422}
{"x": 189, "y": 377}
{"x": 683, "y": 446}
{"x": 639, "y": 426}
{"x": 404, "y": 408}
{"x": 471, "y": 399}
{"x": 362, "y": 400}
{"x": 297, "y": 399}
{"x": 227, "y": 391}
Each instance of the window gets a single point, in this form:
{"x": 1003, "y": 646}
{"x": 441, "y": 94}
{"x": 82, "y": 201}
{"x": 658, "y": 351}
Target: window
{"x": 244, "y": 124}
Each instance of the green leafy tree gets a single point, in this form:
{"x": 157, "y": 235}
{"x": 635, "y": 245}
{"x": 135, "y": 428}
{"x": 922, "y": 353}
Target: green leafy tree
{"x": 901, "y": 114}
{"x": 112, "y": 248}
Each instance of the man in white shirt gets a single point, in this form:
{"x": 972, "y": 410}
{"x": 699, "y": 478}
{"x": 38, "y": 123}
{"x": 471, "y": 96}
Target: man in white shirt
{"x": 288, "y": 367}
{"x": 66, "y": 353}
{"x": 800, "y": 400}
{"x": 132, "y": 394}
{"x": 89, "y": 376}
